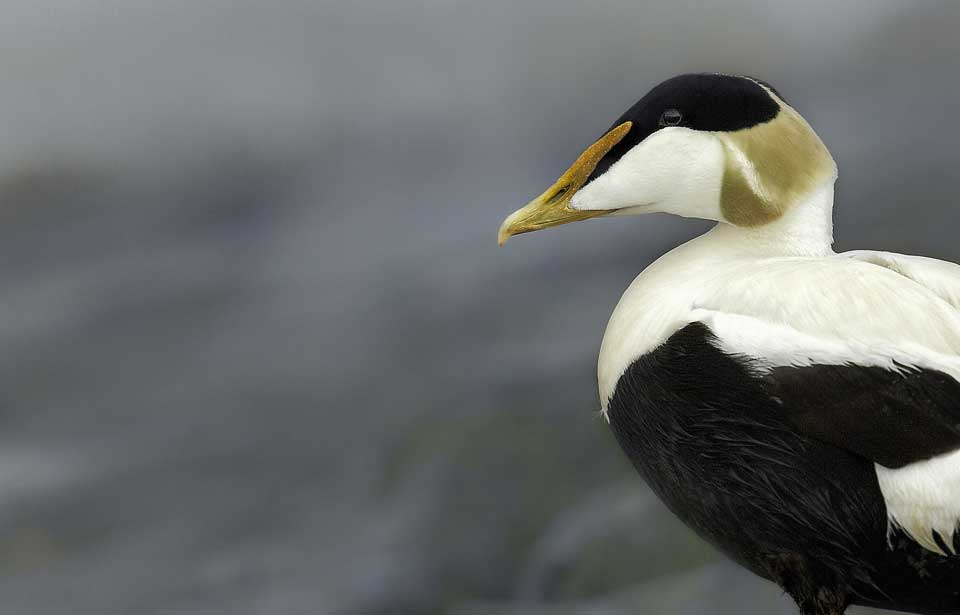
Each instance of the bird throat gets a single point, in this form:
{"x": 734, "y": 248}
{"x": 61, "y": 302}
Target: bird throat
{"x": 805, "y": 229}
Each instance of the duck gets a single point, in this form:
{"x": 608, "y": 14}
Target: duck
{"x": 797, "y": 408}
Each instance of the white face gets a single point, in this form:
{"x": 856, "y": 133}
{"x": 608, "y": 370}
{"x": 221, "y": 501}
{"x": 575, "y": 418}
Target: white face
{"x": 674, "y": 170}
{"x": 714, "y": 147}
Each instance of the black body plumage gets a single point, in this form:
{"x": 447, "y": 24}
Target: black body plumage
{"x": 745, "y": 458}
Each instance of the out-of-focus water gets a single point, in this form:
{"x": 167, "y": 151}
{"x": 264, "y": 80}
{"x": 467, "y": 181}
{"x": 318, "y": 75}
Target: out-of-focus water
{"x": 261, "y": 353}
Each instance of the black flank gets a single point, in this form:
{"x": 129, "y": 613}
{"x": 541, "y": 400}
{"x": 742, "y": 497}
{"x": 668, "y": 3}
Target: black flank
{"x": 753, "y": 469}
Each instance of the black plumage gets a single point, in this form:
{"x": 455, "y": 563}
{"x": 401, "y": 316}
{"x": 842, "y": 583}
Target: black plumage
{"x": 892, "y": 417}
{"x": 783, "y": 480}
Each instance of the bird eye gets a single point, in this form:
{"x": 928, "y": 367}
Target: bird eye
{"x": 670, "y": 117}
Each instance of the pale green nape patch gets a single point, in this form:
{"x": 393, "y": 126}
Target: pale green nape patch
{"x": 769, "y": 167}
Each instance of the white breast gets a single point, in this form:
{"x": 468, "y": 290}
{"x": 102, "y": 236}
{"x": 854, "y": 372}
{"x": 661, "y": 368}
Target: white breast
{"x": 656, "y": 304}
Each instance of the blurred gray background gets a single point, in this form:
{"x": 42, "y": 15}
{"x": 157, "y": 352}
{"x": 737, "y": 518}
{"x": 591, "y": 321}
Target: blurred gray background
{"x": 260, "y": 352}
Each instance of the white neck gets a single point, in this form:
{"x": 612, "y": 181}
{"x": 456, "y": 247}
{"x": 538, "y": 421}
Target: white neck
{"x": 806, "y": 229}
{"x": 661, "y": 299}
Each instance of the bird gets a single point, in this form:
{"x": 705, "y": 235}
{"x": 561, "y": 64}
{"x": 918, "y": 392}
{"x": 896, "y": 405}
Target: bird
{"x": 796, "y": 407}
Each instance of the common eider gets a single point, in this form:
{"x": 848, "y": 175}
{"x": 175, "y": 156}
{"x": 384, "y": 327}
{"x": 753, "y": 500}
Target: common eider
{"x": 797, "y": 408}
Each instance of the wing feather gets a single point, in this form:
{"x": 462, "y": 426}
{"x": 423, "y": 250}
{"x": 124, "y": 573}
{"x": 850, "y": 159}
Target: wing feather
{"x": 941, "y": 277}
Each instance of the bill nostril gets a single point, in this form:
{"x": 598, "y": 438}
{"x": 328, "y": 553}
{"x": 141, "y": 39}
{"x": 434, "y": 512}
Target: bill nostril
{"x": 558, "y": 194}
